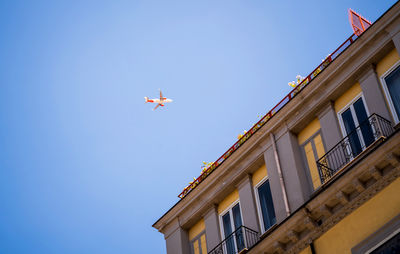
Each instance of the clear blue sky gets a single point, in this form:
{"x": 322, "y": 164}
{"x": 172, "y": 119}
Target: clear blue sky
{"x": 85, "y": 165}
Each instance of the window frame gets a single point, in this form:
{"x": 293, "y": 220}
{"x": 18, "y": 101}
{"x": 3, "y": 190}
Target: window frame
{"x": 386, "y": 91}
{"x": 258, "y": 204}
{"x": 229, "y": 209}
{"x": 353, "y": 114}
{"x": 198, "y": 238}
{"x": 221, "y": 223}
{"x": 305, "y": 161}
{"x": 378, "y": 238}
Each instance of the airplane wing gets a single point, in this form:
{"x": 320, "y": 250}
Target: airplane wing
{"x": 161, "y": 96}
{"x": 156, "y": 107}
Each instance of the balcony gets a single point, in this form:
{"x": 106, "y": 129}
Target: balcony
{"x": 239, "y": 241}
{"x": 374, "y": 130}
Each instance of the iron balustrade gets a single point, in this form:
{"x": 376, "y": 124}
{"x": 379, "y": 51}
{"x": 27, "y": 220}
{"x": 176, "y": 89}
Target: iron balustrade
{"x": 367, "y": 133}
{"x": 242, "y": 239}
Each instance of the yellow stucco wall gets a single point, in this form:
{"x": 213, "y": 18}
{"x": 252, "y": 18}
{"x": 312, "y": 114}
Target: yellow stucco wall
{"x": 196, "y": 247}
{"x": 228, "y": 201}
{"x": 319, "y": 146}
{"x": 388, "y": 61}
{"x": 197, "y": 229}
{"x": 311, "y": 159}
{"x": 259, "y": 174}
{"x": 307, "y": 250}
{"x": 308, "y": 131}
{"x": 361, "y": 223}
{"x": 347, "y": 97}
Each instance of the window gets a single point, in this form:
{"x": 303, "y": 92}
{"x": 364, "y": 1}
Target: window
{"x": 313, "y": 149}
{"x": 390, "y": 246}
{"x": 352, "y": 116}
{"x": 265, "y": 205}
{"x": 231, "y": 221}
{"x": 384, "y": 240}
{"x": 198, "y": 244}
{"x": 391, "y": 87}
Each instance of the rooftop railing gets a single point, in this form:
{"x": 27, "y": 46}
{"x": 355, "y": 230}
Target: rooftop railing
{"x": 372, "y": 130}
{"x": 270, "y": 114}
{"x": 239, "y": 241}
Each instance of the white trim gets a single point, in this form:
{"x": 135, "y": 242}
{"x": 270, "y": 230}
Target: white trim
{"x": 221, "y": 224}
{"x": 229, "y": 209}
{"x": 387, "y": 94}
{"x": 260, "y": 218}
{"x": 383, "y": 241}
{"x": 350, "y": 105}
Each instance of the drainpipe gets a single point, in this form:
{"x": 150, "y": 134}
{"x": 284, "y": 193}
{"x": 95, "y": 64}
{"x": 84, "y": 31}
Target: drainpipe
{"x": 278, "y": 166}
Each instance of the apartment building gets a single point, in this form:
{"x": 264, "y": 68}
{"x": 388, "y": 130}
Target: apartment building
{"x": 318, "y": 174}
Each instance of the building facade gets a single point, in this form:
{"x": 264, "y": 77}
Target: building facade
{"x": 318, "y": 174}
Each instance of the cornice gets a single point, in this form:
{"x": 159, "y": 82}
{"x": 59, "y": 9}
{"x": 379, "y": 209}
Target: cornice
{"x": 292, "y": 116}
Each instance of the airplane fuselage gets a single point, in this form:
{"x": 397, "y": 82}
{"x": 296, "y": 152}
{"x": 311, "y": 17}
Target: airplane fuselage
{"x": 159, "y": 101}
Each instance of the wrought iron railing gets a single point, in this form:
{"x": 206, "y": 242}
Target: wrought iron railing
{"x": 242, "y": 239}
{"x": 367, "y": 133}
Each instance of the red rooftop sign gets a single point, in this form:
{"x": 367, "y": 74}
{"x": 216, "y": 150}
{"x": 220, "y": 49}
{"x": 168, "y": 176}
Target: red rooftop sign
{"x": 358, "y": 23}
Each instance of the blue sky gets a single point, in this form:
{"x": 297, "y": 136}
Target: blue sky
{"x": 85, "y": 165}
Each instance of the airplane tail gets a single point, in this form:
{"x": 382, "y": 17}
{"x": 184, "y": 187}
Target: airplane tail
{"x": 146, "y": 99}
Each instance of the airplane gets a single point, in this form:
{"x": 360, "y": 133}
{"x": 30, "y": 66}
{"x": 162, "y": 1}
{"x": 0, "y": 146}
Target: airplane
{"x": 160, "y": 102}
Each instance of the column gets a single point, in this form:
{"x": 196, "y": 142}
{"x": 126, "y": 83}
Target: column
{"x": 294, "y": 174}
{"x": 329, "y": 126}
{"x": 178, "y": 241}
{"x": 373, "y": 94}
{"x": 248, "y": 204}
{"x": 274, "y": 182}
{"x": 213, "y": 235}
{"x": 396, "y": 41}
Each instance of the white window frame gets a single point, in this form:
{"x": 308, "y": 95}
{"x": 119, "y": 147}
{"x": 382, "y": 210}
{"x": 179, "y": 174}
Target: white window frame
{"x": 353, "y": 114}
{"x": 387, "y": 94}
{"x": 221, "y": 223}
{"x": 258, "y": 204}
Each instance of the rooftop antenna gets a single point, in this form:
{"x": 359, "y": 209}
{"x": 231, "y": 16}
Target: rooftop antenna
{"x": 358, "y": 23}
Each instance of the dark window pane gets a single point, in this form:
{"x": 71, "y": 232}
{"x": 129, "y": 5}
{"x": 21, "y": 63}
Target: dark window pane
{"x": 266, "y": 204}
{"x": 237, "y": 220}
{"x": 350, "y": 127}
{"x": 392, "y": 246}
{"x": 226, "y": 220}
{"x": 393, "y": 85}
{"x": 230, "y": 244}
{"x": 362, "y": 118}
